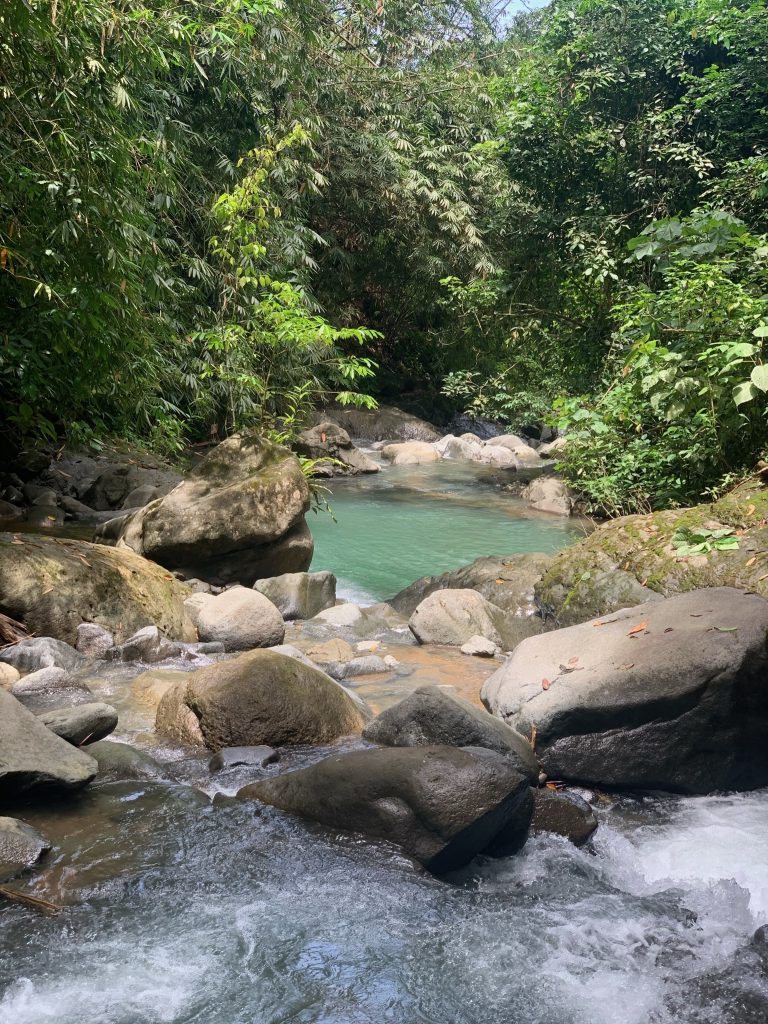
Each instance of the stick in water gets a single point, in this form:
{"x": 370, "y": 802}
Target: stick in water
{"x": 30, "y": 901}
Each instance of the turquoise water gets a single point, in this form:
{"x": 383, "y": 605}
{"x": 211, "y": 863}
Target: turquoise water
{"x": 412, "y": 521}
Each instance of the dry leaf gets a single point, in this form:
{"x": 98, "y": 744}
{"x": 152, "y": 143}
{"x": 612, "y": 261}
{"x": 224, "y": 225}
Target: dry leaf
{"x": 604, "y": 622}
{"x": 639, "y": 628}
{"x": 499, "y": 580}
{"x": 532, "y": 740}
{"x": 751, "y": 510}
{"x": 574, "y": 660}
{"x": 669, "y": 630}
{"x": 751, "y": 561}
{"x": 545, "y": 684}
{"x": 47, "y": 590}
{"x": 630, "y": 665}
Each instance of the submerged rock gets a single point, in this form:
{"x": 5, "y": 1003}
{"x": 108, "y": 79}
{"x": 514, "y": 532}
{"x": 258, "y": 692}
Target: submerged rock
{"x": 668, "y": 695}
{"x": 299, "y": 595}
{"x": 21, "y": 847}
{"x": 429, "y": 716}
{"x": 52, "y": 585}
{"x": 441, "y": 805}
{"x": 240, "y": 619}
{"x": 33, "y": 759}
{"x": 83, "y": 724}
{"x": 238, "y": 517}
{"x": 258, "y": 698}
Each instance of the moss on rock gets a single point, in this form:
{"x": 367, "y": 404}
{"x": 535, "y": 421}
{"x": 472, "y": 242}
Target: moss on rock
{"x": 629, "y": 560}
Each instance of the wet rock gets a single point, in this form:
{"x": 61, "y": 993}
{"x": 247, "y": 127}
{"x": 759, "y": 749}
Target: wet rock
{"x": 668, "y": 695}
{"x": 116, "y": 483}
{"x": 564, "y": 814}
{"x": 34, "y": 759}
{"x": 238, "y": 517}
{"x": 120, "y": 761}
{"x": 453, "y": 617}
{"x": 441, "y": 805}
{"x": 93, "y": 641}
{"x": 410, "y": 453}
{"x": 299, "y": 595}
{"x": 147, "y": 645}
{"x": 258, "y": 698}
{"x": 21, "y": 847}
{"x": 451, "y": 447}
{"x": 75, "y": 509}
{"x": 549, "y": 494}
{"x": 479, "y": 647}
{"x": 53, "y": 585}
{"x": 10, "y": 511}
{"x": 243, "y": 757}
{"x": 332, "y": 445}
{"x": 142, "y": 495}
{"x": 365, "y": 666}
{"x": 240, "y": 619}
{"x": 429, "y": 716}
{"x": 330, "y": 651}
{"x": 42, "y": 652}
{"x": 83, "y": 724}
{"x": 43, "y": 680}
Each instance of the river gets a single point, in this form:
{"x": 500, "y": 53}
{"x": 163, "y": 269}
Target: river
{"x": 180, "y": 910}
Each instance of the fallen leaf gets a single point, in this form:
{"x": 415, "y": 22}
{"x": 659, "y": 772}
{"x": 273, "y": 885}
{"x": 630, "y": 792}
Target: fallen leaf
{"x": 545, "y": 684}
{"x": 604, "y": 622}
{"x": 532, "y": 740}
{"x": 639, "y": 628}
{"x": 85, "y": 561}
{"x": 47, "y": 590}
{"x": 630, "y": 665}
{"x": 696, "y": 615}
{"x": 669, "y": 630}
{"x": 751, "y": 510}
{"x": 722, "y": 629}
{"x": 499, "y": 580}
{"x": 751, "y": 561}
{"x": 763, "y": 578}
{"x": 574, "y": 660}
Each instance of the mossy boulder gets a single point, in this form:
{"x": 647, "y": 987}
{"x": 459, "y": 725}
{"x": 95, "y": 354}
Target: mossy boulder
{"x": 632, "y": 560}
{"x": 238, "y": 517}
{"x": 52, "y": 584}
{"x": 259, "y": 698}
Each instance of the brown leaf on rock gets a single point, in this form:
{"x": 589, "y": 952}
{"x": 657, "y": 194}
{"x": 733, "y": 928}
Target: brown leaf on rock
{"x": 545, "y": 684}
{"x": 641, "y": 627}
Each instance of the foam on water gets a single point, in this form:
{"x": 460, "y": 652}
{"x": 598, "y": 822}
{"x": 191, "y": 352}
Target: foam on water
{"x": 186, "y": 913}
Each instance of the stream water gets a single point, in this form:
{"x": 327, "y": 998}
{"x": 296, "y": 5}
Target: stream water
{"x": 186, "y": 911}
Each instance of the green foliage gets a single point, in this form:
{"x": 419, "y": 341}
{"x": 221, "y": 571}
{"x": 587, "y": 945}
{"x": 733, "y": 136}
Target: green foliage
{"x": 683, "y": 408}
{"x": 689, "y": 541}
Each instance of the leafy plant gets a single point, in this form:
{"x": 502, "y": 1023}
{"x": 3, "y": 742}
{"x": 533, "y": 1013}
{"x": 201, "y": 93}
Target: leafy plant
{"x": 699, "y": 541}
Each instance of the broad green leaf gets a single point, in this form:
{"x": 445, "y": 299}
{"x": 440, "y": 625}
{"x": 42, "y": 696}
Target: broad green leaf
{"x": 744, "y": 393}
{"x": 759, "y": 377}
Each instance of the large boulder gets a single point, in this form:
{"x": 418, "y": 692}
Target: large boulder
{"x": 240, "y": 619}
{"x": 33, "y": 759}
{"x": 259, "y": 698}
{"x": 562, "y": 814}
{"x": 410, "y": 453}
{"x": 238, "y": 517}
{"x": 429, "y": 716}
{"x": 668, "y": 695}
{"x": 331, "y": 446}
{"x": 299, "y": 595}
{"x": 451, "y": 447}
{"x": 441, "y": 805}
{"x": 386, "y": 423}
{"x": 507, "y": 581}
{"x": 629, "y": 560}
{"x": 52, "y": 585}
{"x": 453, "y": 617}
{"x": 116, "y": 483}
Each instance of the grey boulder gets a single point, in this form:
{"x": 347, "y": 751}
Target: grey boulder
{"x": 240, "y": 619}
{"x": 147, "y": 645}
{"x": 33, "y": 759}
{"x": 453, "y": 617}
{"x": 93, "y": 640}
{"x": 21, "y": 847}
{"x": 42, "y": 652}
{"x": 441, "y": 805}
{"x": 429, "y": 716}
{"x": 299, "y": 595}
{"x": 335, "y": 454}
{"x": 668, "y": 695}
{"x": 86, "y": 723}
